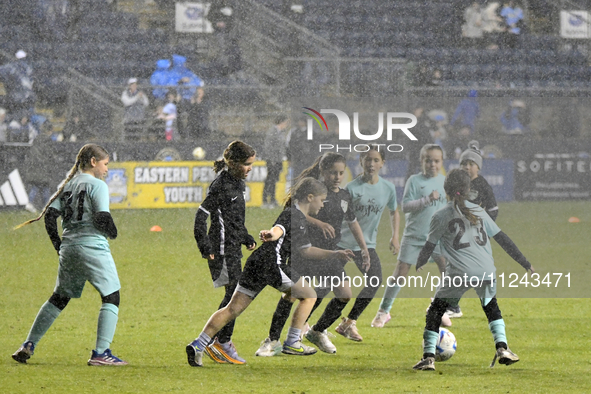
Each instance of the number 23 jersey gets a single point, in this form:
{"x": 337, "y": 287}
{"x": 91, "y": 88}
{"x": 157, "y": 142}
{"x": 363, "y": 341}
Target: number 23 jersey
{"x": 81, "y": 198}
{"x": 465, "y": 246}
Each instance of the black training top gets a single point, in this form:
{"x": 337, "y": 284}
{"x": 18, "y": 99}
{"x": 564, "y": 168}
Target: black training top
{"x": 337, "y": 207}
{"x": 482, "y": 194}
{"x": 226, "y": 205}
{"x": 295, "y": 234}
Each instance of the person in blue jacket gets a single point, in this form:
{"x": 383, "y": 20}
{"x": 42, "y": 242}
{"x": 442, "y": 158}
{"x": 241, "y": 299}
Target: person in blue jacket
{"x": 161, "y": 77}
{"x": 189, "y": 86}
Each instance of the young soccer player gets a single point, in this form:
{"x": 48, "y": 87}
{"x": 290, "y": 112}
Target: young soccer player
{"x": 463, "y": 229}
{"x": 423, "y": 196}
{"x": 268, "y": 266}
{"x": 480, "y": 194}
{"x": 222, "y": 246}
{"x": 480, "y": 191}
{"x": 82, "y": 201}
{"x": 325, "y": 233}
{"x": 371, "y": 194}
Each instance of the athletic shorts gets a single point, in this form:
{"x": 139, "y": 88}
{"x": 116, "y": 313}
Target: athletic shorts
{"x": 81, "y": 263}
{"x": 409, "y": 254}
{"x": 259, "y": 273}
{"x": 225, "y": 270}
{"x": 451, "y": 292}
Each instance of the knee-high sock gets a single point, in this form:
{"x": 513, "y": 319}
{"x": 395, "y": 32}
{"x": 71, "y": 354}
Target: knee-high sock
{"x": 497, "y": 328}
{"x": 429, "y": 342}
{"x": 389, "y": 296}
{"x": 45, "y": 318}
{"x": 280, "y": 317}
{"x": 331, "y": 314}
{"x": 107, "y": 322}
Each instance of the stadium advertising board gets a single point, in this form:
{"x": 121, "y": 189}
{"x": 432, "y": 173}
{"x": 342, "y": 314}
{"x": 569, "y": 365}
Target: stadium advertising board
{"x": 141, "y": 185}
{"x": 553, "y": 177}
{"x": 191, "y": 18}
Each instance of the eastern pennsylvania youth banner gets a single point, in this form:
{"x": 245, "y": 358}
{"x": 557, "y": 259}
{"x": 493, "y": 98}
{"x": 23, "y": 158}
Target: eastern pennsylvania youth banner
{"x": 178, "y": 184}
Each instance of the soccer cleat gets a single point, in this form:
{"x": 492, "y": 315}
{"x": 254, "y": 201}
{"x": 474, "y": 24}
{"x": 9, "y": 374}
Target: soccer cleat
{"x": 348, "y": 329}
{"x": 426, "y": 364}
{"x": 298, "y": 349}
{"x": 194, "y": 354}
{"x": 505, "y": 356}
{"x": 224, "y": 353}
{"x": 105, "y": 358}
{"x": 381, "y": 319}
{"x": 321, "y": 340}
{"x": 24, "y": 352}
{"x": 454, "y": 311}
{"x": 269, "y": 348}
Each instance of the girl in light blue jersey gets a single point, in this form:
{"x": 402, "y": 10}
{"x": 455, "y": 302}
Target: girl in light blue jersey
{"x": 463, "y": 230}
{"x": 423, "y": 196}
{"x": 370, "y": 194}
{"x": 82, "y": 201}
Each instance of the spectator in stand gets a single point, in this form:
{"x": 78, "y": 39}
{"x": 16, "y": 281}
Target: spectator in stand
{"x": 198, "y": 117}
{"x": 229, "y": 57}
{"x": 75, "y": 128}
{"x": 492, "y": 25}
{"x": 472, "y": 28}
{"x": 17, "y": 77}
{"x": 135, "y": 102}
{"x": 274, "y": 151}
{"x": 466, "y": 114}
{"x": 3, "y": 126}
{"x": 190, "y": 87}
{"x": 435, "y": 80}
{"x": 160, "y": 80}
{"x": 21, "y": 130}
{"x": 513, "y": 16}
{"x": 515, "y": 118}
{"x": 464, "y": 122}
{"x": 168, "y": 114}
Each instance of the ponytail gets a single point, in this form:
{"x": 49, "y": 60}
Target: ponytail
{"x": 457, "y": 188}
{"x": 85, "y": 155}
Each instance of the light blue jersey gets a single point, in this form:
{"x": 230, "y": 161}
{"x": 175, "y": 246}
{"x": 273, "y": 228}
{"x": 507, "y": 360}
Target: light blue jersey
{"x": 369, "y": 201}
{"x": 466, "y": 247}
{"x": 417, "y": 222}
{"x": 82, "y": 197}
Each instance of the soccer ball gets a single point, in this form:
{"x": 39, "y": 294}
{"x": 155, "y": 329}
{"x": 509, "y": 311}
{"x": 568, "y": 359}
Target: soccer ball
{"x": 199, "y": 153}
{"x": 446, "y": 345}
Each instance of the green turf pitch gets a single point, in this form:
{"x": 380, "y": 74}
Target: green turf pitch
{"x": 167, "y": 296}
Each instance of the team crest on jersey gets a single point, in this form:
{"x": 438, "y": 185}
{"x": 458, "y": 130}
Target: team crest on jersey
{"x": 344, "y": 205}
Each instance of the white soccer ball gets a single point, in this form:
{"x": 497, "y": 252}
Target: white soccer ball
{"x": 446, "y": 345}
{"x": 199, "y": 153}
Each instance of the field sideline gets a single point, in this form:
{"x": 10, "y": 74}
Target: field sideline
{"x": 167, "y": 296}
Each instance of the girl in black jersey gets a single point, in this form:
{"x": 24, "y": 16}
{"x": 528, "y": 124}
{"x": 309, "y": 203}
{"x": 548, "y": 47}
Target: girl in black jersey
{"x": 268, "y": 265}
{"x": 325, "y": 233}
{"x": 222, "y": 246}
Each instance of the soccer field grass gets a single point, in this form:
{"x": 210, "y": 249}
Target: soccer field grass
{"x": 167, "y": 296}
